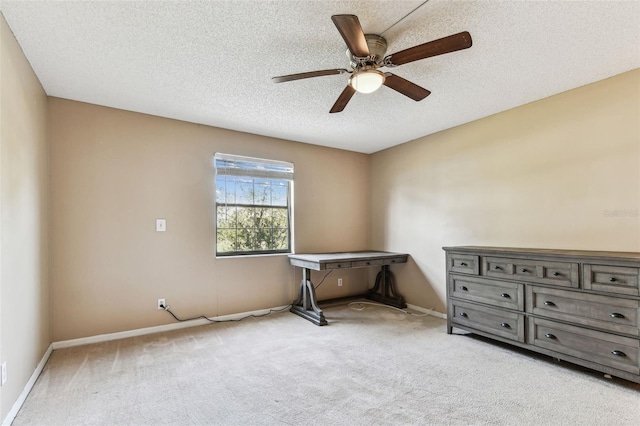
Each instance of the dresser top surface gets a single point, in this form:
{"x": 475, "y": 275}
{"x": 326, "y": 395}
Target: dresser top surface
{"x": 635, "y": 256}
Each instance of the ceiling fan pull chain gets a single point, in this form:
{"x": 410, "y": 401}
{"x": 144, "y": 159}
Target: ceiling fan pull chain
{"x": 405, "y": 16}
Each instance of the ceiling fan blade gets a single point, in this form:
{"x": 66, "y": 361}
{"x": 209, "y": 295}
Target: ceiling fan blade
{"x": 351, "y": 31}
{"x": 343, "y": 99}
{"x": 441, "y": 46}
{"x": 291, "y": 77}
{"x": 405, "y": 87}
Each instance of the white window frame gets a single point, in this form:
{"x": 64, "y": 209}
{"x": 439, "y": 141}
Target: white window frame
{"x": 232, "y": 168}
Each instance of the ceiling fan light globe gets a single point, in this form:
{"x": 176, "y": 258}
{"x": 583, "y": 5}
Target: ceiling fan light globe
{"x": 367, "y": 81}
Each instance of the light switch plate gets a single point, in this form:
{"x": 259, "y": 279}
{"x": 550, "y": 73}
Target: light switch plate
{"x": 161, "y": 225}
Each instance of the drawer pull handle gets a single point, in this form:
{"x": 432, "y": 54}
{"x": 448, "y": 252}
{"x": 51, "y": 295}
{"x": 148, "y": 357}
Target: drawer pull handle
{"x": 393, "y": 261}
{"x": 463, "y": 264}
{"x": 506, "y": 295}
{"x": 525, "y": 270}
{"x": 550, "y": 336}
{"x": 616, "y": 315}
{"x": 463, "y": 288}
{"x": 612, "y": 279}
{"x": 368, "y": 263}
{"x": 464, "y": 314}
{"x": 505, "y": 325}
{"x": 556, "y": 274}
{"x": 618, "y": 353}
{"x": 549, "y": 303}
{"x": 497, "y": 267}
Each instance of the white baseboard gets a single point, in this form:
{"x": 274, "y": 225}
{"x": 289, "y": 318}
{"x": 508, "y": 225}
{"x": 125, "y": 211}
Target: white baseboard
{"x": 427, "y": 311}
{"x": 157, "y": 329}
{"x": 27, "y": 388}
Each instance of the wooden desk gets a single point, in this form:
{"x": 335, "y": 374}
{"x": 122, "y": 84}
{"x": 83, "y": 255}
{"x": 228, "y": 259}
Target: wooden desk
{"x": 384, "y": 290}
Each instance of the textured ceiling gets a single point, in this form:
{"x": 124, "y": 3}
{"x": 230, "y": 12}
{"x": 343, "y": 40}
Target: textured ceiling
{"x": 211, "y": 62}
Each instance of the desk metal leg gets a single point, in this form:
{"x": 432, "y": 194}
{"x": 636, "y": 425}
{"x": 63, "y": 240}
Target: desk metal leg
{"x": 305, "y": 305}
{"x": 385, "y": 290}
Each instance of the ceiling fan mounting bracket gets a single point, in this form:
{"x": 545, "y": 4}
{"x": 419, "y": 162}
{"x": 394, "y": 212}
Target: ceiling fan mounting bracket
{"x": 386, "y": 62}
{"x": 377, "y": 48}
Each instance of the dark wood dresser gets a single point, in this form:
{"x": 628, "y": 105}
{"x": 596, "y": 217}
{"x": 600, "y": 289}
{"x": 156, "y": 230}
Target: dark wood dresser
{"x": 578, "y": 306}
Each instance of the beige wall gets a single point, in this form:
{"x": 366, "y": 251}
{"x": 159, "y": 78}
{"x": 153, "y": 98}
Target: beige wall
{"x": 563, "y": 172}
{"x": 114, "y": 172}
{"x": 24, "y": 214}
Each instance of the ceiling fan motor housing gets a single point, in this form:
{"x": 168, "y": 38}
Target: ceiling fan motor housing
{"x": 377, "y": 48}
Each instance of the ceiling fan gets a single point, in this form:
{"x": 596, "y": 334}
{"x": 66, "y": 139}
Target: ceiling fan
{"x": 366, "y": 54}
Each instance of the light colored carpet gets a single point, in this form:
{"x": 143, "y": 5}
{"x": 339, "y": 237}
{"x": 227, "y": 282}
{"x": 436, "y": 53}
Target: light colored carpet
{"x": 371, "y": 367}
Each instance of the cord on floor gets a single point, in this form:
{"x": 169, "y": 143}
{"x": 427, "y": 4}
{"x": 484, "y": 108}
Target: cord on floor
{"x": 363, "y": 307}
{"x": 167, "y": 308}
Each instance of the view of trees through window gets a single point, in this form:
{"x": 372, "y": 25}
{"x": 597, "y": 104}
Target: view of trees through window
{"x": 252, "y": 215}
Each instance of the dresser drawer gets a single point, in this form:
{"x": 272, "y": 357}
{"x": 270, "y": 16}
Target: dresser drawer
{"x": 611, "y": 279}
{"x": 502, "y": 294}
{"x": 463, "y": 263}
{"x": 508, "y": 325}
{"x": 602, "y": 348}
{"x": 607, "y": 313}
{"x": 562, "y": 274}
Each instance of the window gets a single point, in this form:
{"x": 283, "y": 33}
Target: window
{"x": 253, "y": 205}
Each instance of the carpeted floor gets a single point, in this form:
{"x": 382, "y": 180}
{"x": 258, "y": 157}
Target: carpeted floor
{"x": 371, "y": 367}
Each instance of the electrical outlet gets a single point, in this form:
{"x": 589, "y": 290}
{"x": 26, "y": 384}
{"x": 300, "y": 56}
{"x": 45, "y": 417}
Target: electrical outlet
{"x": 161, "y": 303}
{"x": 4, "y": 373}
{"x": 339, "y": 282}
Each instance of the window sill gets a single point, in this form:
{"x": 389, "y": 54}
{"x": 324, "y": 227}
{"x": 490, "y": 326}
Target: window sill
{"x": 245, "y": 256}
